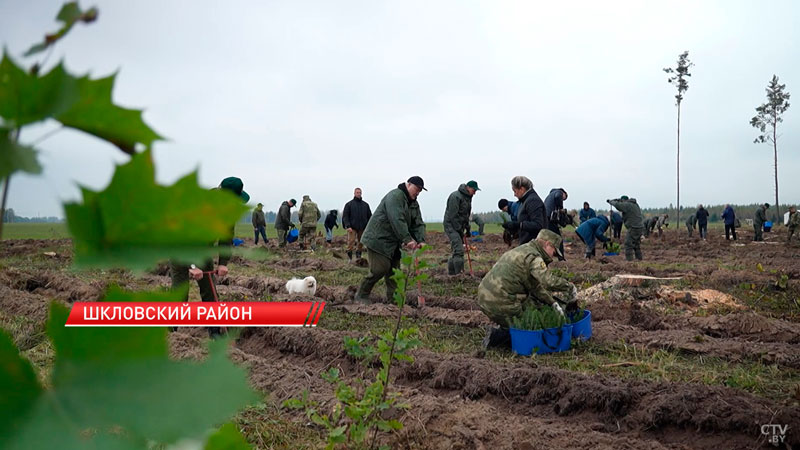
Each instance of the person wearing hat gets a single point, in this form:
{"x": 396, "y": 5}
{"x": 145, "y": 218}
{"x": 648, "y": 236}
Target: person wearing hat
{"x": 308, "y": 216}
{"x": 758, "y": 222}
{"x": 520, "y": 279}
{"x": 632, "y": 218}
{"x": 456, "y": 223}
{"x": 355, "y": 215}
{"x": 586, "y": 213}
{"x": 259, "y": 222}
{"x": 283, "y": 221}
{"x": 396, "y": 223}
{"x": 181, "y": 273}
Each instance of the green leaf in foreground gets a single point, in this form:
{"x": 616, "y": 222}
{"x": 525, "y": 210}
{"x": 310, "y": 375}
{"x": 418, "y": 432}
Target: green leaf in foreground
{"x": 26, "y": 98}
{"x": 19, "y": 387}
{"x": 96, "y": 114}
{"x": 136, "y": 223}
{"x": 227, "y": 437}
{"x": 121, "y": 396}
{"x": 15, "y": 157}
{"x": 69, "y": 14}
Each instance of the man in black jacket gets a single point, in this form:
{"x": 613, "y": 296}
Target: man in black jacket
{"x": 355, "y": 216}
{"x": 283, "y": 221}
{"x": 531, "y": 215}
{"x": 702, "y": 221}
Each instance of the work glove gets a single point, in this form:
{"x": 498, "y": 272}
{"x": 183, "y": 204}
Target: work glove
{"x": 511, "y": 226}
{"x": 557, "y": 307}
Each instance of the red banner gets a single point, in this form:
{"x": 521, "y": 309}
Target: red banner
{"x": 195, "y": 314}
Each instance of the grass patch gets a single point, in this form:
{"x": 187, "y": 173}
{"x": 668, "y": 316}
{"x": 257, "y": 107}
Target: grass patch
{"x": 35, "y": 231}
{"x": 637, "y": 362}
{"x": 264, "y": 426}
{"x": 438, "y": 337}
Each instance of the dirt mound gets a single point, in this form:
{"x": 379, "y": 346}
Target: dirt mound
{"x": 749, "y": 325}
{"x": 653, "y": 293}
{"x": 55, "y": 285}
{"x": 17, "y": 247}
{"x": 684, "y": 414}
{"x": 259, "y": 286}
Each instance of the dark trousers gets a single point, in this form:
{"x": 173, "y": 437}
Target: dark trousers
{"x": 633, "y": 240}
{"x": 730, "y": 230}
{"x": 455, "y": 264}
{"x": 379, "y": 267}
{"x": 758, "y": 230}
{"x": 703, "y": 227}
{"x": 180, "y": 276}
{"x": 617, "y": 231}
{"x": 262, "y": 230}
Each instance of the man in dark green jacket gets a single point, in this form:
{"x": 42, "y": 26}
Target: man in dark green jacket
{"x": 758, "y": 222}
{"x": 632, "y": 218}
{"x": 456, "y": 224}
{"x": 397, "y": 222}
{"x": 283, "y": 221}
{"x": 181, "y": 273}
{"x": 259, "y": 223}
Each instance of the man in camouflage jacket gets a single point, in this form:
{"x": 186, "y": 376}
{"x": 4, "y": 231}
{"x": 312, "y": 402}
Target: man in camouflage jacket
{"x": 520, "y": 278}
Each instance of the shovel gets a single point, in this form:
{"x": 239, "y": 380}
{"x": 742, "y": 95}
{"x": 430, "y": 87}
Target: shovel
{"x": 469, "y": 258}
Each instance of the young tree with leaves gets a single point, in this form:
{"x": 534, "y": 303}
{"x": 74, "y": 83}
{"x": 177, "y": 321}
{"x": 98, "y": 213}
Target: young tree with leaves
{"x": 767, "y": 118}
{"x": 678, "y": 78}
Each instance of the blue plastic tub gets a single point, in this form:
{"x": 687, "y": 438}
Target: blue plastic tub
{"x": 767, "y": 226}
{"x": 473, "y": 233}
{"x": 610, "y": 254}
{"x": 292, "y": 235}
{"x": 237, "y": 242}
{"x": 582, "y": 329}
{"x": 551, "y": 340}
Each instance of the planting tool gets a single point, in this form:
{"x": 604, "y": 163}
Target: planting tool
{"x": 420, "y": 297}
{"x": 469, "y": 258}
{"x": 222, "y": 330}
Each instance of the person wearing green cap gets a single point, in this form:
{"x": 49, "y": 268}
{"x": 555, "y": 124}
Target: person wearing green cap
{"x": 259, "y": 222}
{"x": 396, "y": 223}
{"x": 758, "y": 222}
{"x": 283, "y": 221}
{"x": 520, "y": 279}
{"x": 308, "y": 216}
{"x": 632, "y": 218}
{"x": 181, "y": 273}
{"x": 456, "y": 223}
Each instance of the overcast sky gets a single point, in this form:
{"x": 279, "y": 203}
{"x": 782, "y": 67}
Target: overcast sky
{"x": 319, "y": 97}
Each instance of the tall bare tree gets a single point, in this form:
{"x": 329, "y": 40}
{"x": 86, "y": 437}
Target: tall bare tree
{"x": 678, "y": 78}
{"x": 767, "y": 118}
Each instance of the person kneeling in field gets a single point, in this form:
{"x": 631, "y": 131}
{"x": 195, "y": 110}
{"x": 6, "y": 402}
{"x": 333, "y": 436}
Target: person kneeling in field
{"x": 520, "y": 278}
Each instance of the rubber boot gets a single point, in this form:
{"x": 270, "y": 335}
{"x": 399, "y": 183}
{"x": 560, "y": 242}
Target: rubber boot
{"x": 639, "y": 255}
{"x": 350, "y": 256}
{"x": 358, "y": 254}
{"x": 497, "y": 337}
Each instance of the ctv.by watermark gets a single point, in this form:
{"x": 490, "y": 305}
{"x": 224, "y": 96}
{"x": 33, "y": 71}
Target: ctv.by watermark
{"x": 775, "y": 433}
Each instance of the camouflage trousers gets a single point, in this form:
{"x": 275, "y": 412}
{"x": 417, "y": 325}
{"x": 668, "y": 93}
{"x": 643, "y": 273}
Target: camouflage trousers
{"x": 455, "y": 264}
{"x": 792, "y": 231}
{"x": 307, "y": 231}
{"x": 633, "y": 241}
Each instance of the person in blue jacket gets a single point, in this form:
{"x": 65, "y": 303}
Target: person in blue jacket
{"x": 616, "y": 222}
{"x": 730, "y": 222}
{"x": 508, "y": 207}
{"x": 588, "y": 213}
{"x": 592, "y": 230}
